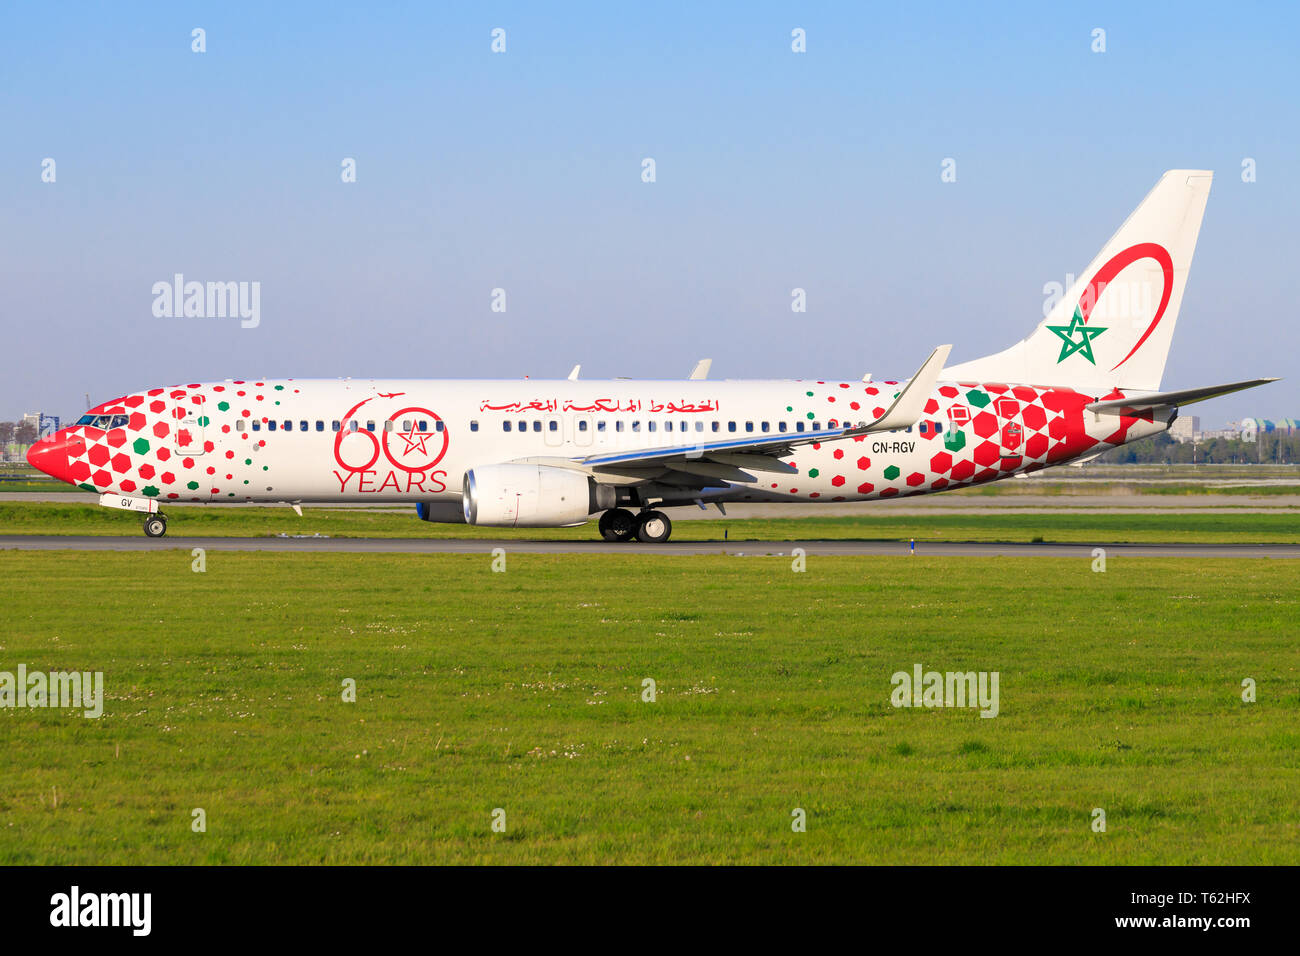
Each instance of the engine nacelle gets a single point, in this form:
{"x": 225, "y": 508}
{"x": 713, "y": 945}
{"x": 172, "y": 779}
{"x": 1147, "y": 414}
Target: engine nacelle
{"x": 527, "y": 496}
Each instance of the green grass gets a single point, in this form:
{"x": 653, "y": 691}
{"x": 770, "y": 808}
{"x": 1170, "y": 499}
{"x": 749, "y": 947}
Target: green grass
{"x": 199, "y": 521}
{"x": 522, "y": 691}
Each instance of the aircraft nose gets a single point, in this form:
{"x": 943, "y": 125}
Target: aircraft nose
{"x": 53, "y": 455}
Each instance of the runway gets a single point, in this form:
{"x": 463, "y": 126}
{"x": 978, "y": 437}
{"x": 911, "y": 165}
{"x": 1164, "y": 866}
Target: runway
{"x": 736, "y": 548}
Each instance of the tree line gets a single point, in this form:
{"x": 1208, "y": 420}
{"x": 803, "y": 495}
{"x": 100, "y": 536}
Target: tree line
{"x": 24, "y": 433}
{"x": 1268, "y": 448}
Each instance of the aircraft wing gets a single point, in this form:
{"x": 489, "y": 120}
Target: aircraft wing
{"x": 1185, "y": 397}
{"x": 761, "y": 451}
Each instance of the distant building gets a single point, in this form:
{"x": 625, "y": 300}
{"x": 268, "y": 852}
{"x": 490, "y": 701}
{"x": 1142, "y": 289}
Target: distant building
{"x": 1186, "y": 428}
{"x": 45, "y": 425}
{"x": 1251, "y": 428}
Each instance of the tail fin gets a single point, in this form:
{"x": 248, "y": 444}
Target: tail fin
{"x": 1113, "y": 327}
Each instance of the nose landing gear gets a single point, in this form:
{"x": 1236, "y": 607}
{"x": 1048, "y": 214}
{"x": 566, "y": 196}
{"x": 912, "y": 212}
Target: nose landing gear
{"x": 155, "y": 525}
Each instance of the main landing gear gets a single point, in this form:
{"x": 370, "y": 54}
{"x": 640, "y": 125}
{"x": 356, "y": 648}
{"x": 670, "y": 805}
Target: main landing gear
{"x": 619, "y": 524}
{"x": 155, "y": 525}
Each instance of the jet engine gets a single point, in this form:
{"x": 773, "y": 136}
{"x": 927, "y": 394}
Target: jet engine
{"x": 528, "y": 496}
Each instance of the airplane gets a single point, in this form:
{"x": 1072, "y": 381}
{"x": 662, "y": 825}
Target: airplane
{"x": 535, "y": 453}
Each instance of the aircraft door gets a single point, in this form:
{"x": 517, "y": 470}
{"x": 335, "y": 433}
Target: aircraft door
{"x": 1013, "y": 431}
{"x": 582, "y": 426}
{"x": 188, "y": 424}
{"x": 553, "y": 430}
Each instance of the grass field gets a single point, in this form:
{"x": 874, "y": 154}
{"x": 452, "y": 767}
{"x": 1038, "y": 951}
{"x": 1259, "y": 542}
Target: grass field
{"x": 1281, "y": 527}
{"x": 522, "y": 691}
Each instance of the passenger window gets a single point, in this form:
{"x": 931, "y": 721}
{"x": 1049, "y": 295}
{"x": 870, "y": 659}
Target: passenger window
{"x": 765, "y": 427}
{"x": 749, "y": 426}
{"x": 370, "y": 426}
{"x": 699, "y": 426}
{"x": 304, "y": 427}
{"x": 388, "y": 425}
{"x": 537, "y": 426}
{"x": 816, "y": 427}
{"x": 798, "y": 426}
{"x": 288, "y": 426}
{"x": 717, "y": 426}
{"x": 406, "y": 425}
{"x": 618, "y": 425}
{"x": 553, "y": 425}
{"x": 582, "y": 425}
{"x": 505, "y": 426}
{"x": 354, "y": 425}
{"x": 523, "y": 426}
{"x": 781, "y": 426}
{"x": 334, "y": 426}
{"x": 239, "y": 424}
{"x": 270, "y": 426}
{"x": 650, "y": 425}
{"x": 320, "y": 425}
{"x": 731, "y": 426}
{"x": 422, "y": 425}
{"x": 473, "y": 426}
{"x": 439, "y": 425}
{"x": 600, "y": 426}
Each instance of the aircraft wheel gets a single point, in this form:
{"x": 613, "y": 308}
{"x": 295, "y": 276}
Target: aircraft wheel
{"x": 155, "y": 526}
{"x": 617, "y": 524}
{"x": 653, "y": 527}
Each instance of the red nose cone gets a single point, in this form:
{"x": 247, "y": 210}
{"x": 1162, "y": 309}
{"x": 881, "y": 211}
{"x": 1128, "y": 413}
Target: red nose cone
{"x": 51, "y": 455}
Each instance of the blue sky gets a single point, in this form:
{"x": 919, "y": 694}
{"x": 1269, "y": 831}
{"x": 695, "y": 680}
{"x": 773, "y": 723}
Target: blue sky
{"x": 522, "y": 171}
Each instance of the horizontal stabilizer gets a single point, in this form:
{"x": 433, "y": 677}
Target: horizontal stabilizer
{"x": 1185, "y": 397}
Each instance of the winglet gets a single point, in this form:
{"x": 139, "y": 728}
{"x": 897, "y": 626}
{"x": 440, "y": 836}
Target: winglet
{"x": 910, "y": 404}
{"x": 573, "y": 376}
{"x": 701, "y": 370}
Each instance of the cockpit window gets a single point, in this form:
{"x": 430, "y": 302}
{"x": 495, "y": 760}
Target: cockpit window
{"x": 104, "y": 422}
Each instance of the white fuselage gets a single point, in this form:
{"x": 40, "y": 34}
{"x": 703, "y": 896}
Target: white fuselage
{"x": 413, "y": 440}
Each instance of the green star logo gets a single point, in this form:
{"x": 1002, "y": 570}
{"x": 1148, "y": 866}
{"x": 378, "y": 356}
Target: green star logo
{"x": 1067, "y": 332}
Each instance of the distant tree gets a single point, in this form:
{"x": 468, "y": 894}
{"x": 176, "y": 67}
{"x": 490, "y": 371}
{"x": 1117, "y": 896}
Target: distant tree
{"x": 6, "y": 432}
{"x": 1161, "y": 449}
{"x": 25, "y": 433}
